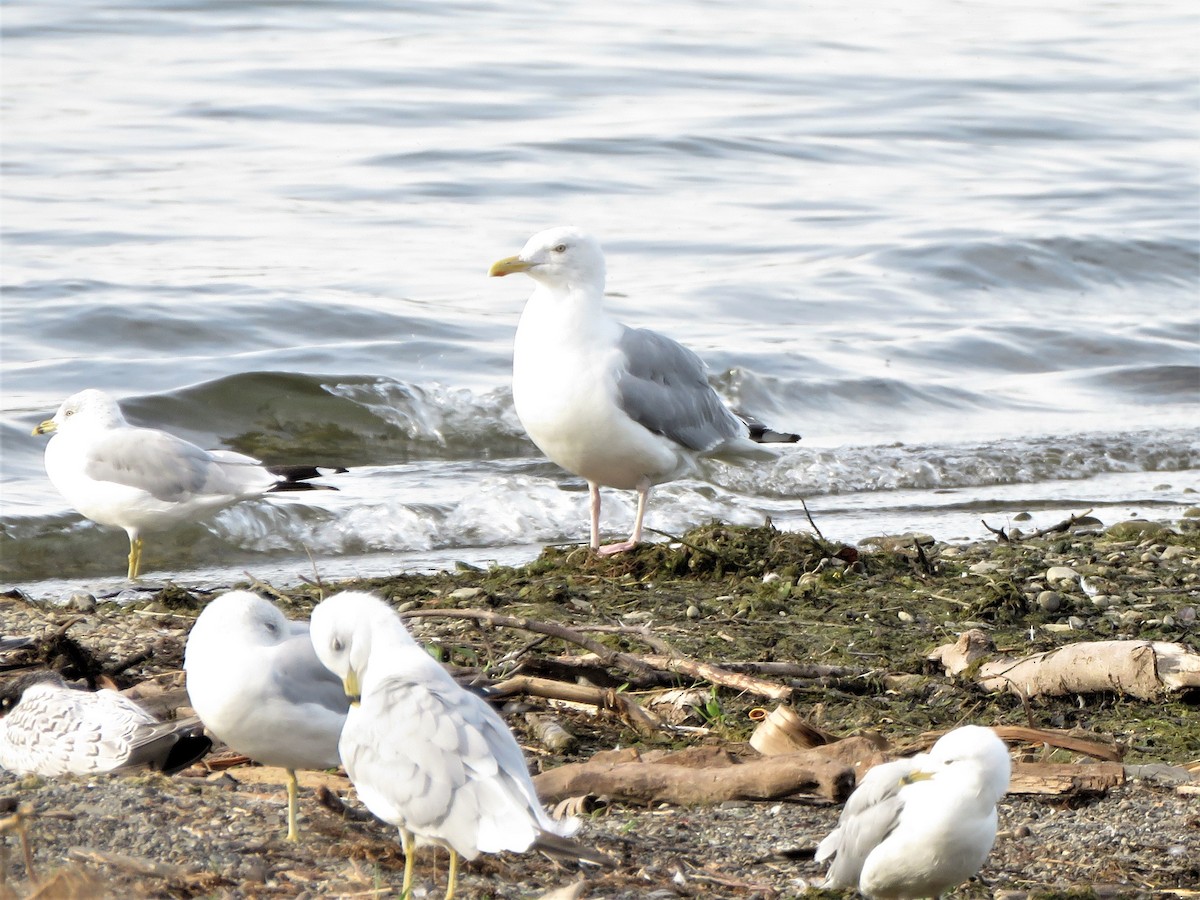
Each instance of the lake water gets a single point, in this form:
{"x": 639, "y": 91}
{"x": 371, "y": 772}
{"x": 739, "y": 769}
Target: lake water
{"x": 954, "y": 245}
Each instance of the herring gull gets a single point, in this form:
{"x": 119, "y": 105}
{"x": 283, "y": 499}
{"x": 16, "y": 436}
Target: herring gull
{"x": 622, "y": 407}
{"x": 141, "y": 478}
{"x": 54, "y": 729}
{"x": 256, "y": 683}
{"x": 916, "y": 827}
{"x": 424, "y": 754}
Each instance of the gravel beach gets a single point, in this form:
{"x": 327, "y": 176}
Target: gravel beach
{"x": 718, "y": 595}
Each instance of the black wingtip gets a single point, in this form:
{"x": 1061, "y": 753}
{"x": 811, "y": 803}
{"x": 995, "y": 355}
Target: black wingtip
{"x": 296, "y": 478}
{"x": 190, "y": 748}
{"x": 761, "y": 434}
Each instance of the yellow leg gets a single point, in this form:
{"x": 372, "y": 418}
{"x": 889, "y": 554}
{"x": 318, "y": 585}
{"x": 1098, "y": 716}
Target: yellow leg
{"x": 135, "y": 557}
{"x": 406, "y": 843}
{"x": 453, "y": 875}
{"x": 293, "y": 787}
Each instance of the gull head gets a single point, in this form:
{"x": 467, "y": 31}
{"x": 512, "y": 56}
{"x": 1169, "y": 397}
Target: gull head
{"x": 972, "y": 756}
{"x": 563, "y": 259}
{"x": 88, "y": 408}
{"x": 343, "y": 629}
{"x": 247, "y": 616}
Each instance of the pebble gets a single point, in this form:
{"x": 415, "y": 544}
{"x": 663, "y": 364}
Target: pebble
{"x": 78, "y": 600}
{"x": 693, "y": 612}
{"x": 905, "y": 617}
{"x": 986, "y": 567}
{"x": 1076, "y": 623}
{"x": 1050, "y": 601}
{"x": 1175, "y": 551}
{"x": 1061, "y": 575}
{"x": 465, "y": 593}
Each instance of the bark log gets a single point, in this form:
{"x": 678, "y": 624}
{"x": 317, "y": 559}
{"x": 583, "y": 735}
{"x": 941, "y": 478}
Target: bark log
{"x": 1142, "y": 669}
{"x": 667, "y": 781}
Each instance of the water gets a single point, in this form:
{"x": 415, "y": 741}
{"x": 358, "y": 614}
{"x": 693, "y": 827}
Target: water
{"x": 955, "y": 247}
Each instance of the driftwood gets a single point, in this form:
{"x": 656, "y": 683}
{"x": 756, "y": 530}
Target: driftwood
{"x": 1142, "y": 669}
{"x": 697, "y": 779}
{"x": 1106, "y": 750}
{"x": 604, "y": 698}
{"x": 1065, "y": 778}
{"x": 1065, "y": 525}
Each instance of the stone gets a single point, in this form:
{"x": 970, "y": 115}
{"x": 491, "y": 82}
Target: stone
{"x": 1135, "y": 529}
{"x": 1050, "y": 601}
{"x": 1061, "y": 575}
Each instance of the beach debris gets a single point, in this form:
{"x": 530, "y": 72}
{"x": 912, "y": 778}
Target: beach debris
{"x": 1142, "y": 669}
{"x": 697, "y": 776}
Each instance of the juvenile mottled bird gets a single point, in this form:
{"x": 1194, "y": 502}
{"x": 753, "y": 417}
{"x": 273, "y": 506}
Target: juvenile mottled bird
{"x": 255, "y": 681}
{"x": 621, "y": 407}
{"x": 53, "y": 729}
{"x": 917, "y": 827}
{"x": 424, "y": 754}
{"x": 141, "y": 479}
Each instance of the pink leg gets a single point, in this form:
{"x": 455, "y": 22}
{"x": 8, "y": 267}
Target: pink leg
{"x": 643, "y": 492}
{"x": 594, "y": 494}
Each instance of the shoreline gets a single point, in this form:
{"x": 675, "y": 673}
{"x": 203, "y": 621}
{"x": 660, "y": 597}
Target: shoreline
{"x": 723, "y": 594}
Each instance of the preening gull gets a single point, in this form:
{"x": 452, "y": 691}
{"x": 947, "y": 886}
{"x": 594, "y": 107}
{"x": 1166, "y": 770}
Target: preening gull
{"x": 141, "y": 479}
{"x": 53, "y": 729}
{"x": 917, "y": 827}
{"x": 622, "y": 407}
{"x": 424, "y": 754}
{"x": 256, "y": 683}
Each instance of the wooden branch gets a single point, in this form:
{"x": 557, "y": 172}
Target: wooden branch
{"x": 720, "y": 676}
{"x": 796, "y": 670}
{"x": 663, "y": 781}
{"x": 603, "y": 698}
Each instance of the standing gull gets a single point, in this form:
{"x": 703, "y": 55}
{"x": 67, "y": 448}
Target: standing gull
{"x": 256, "y": 683}
{"x": 53, "y": 729}
{"x": 141, "y": 478}
{"x": 622, "y": 407}
{"x": 917, "y": 827}
{"x": 424, "y": 754}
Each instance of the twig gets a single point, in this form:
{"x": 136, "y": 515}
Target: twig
{"x": 263, "y": 586}
{"x": 610, "y": 656}
{"x": 16, "y": 822}
{"x": 639, "y": 631}
{"x": 808, "y": 516}
{"x": 678, "y": 540}
{"x": 998, "y": 532}
{"x": 720, "y": 676}
{"x": 628, "y": 661}
{"x": 1065, "y": 525}
{"x": 578, "y": 693}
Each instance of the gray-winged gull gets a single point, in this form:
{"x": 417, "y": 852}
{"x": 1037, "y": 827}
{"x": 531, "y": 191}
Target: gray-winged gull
{"x": 53, "y": 729}
{"x": 424, "y": 754}
{"x": 141, "y": 479}
{"x": 916, "y": 827}
{"x": 255, "y": 681}
{"x": 622, "y": 407}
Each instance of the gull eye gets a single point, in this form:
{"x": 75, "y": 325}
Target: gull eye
{"x": 561, "y": 248}
{"x": 68, "y": 412}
